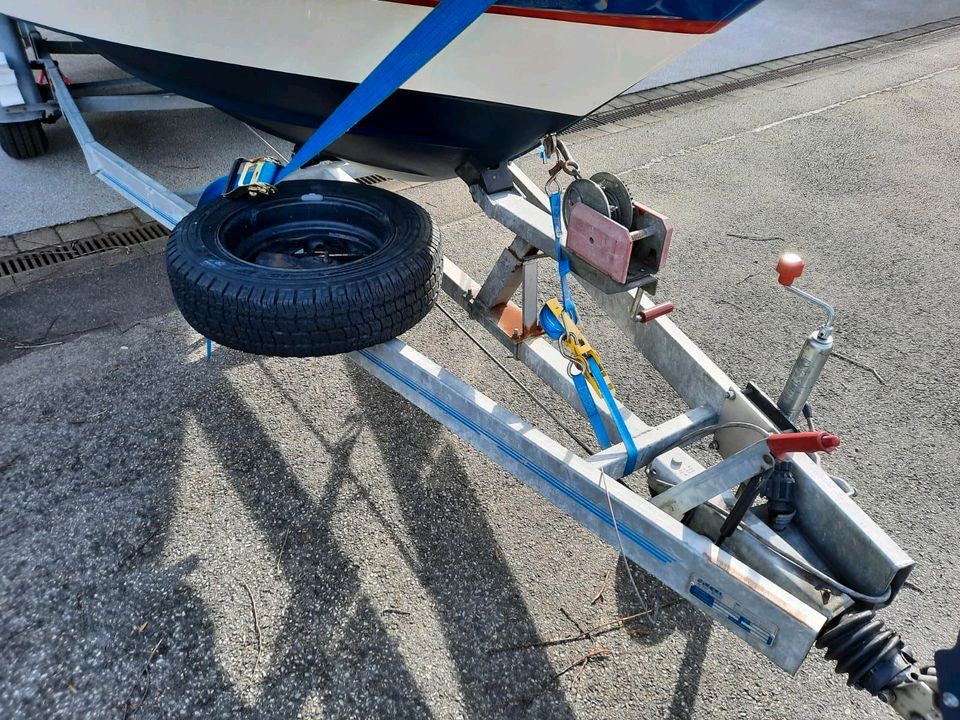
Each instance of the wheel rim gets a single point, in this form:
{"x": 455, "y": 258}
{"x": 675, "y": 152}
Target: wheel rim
{"x": 305, "y": 234}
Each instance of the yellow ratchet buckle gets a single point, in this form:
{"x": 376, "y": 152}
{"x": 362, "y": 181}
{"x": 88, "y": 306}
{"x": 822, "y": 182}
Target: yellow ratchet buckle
{"x": 252, "y": 177}
{"x": 579, "y": 351}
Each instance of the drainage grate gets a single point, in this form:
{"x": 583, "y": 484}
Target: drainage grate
{"x": 372, "y": 179}
{"x": 56, "y": 254}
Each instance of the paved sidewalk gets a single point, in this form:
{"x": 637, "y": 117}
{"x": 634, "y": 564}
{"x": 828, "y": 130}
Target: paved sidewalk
{"x": 71, "y": 232}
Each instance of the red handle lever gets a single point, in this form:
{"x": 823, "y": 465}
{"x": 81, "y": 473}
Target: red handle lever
{"x": 655, "y": 312}
{"x": 806, "y": 442}
{"x": 790, "y": 267}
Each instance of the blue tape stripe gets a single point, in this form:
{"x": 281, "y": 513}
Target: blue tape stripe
{"x": 729, "y": 614}
{"x": 671, "y": 10}
{"x": 702, "y": 595}
{"x": 541, "y": 472}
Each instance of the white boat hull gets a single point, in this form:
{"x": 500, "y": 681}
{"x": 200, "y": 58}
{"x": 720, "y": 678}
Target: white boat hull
{"x": 523, "y": 75}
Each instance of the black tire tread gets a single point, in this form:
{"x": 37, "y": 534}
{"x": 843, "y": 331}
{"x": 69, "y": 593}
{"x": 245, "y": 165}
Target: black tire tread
{"x": 303, "y": 321}
{"x": 23, "y": 140}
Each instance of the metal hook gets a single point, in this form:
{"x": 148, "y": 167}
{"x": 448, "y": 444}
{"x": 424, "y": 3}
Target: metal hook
{"x": 574, "y": 364}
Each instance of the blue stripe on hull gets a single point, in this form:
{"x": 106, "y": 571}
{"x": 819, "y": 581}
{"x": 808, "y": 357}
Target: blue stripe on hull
{"x": 678, "y": 16}
{"x": 716, "y": 11}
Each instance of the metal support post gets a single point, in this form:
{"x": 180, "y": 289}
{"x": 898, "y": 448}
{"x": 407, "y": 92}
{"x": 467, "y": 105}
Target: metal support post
{"x": 506, "y": 275}
{"x": 24, "y": 93}
{"x": 530, "y": 302}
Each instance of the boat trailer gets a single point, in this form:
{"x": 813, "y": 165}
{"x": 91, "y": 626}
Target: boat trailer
{"x": 808, "y": 568}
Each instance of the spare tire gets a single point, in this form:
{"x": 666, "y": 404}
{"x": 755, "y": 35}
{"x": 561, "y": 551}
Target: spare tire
{"x": 318, "y": 268}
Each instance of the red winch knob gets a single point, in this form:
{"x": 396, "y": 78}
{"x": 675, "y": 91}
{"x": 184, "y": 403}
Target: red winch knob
{"x": 783, "y": 443}
{"x": 790, "y": 266}
{"x": 655, "y": 312}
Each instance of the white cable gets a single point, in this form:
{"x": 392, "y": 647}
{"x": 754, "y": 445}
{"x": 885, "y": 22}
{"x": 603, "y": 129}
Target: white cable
{"x": 267, "y": 143}
{"x": 805, "y": 566}
{"x": 616, "y": 529}
{"x": 701, "y": 432}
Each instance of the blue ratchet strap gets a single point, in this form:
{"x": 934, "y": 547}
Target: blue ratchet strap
{"x": 625, "y": 437}
{"x": 431, "y": 35}
{"x": 580, "y": 380}
{"x": 590, "y": 409}
{"x": 563, "y": 262}
{"x": 552, "y": 321}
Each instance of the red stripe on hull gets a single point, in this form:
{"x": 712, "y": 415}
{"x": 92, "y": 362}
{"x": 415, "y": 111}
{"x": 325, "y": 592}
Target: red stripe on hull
{"x": 635, "y": 22}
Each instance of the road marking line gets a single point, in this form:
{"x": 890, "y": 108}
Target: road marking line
{"x": 769, "y": 126}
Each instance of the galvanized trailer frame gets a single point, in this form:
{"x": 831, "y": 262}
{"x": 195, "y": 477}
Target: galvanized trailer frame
{"x": 756, "y": 586}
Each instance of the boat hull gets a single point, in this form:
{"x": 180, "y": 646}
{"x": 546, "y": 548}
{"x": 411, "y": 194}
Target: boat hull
{"x": 526, "y": 68}
{"x": 412, "y": 133}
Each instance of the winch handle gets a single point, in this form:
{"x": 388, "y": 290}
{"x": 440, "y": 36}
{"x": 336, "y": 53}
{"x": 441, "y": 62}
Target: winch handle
{"x": 645, "y": 316}
{"x": 790, "y": 267}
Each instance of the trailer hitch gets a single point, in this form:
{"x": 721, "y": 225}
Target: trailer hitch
{"x": 877, "y": 660}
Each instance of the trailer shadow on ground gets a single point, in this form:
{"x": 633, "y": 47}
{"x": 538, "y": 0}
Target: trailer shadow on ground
{"x": 331, "y": 643}
{"x": 101, "y": 577}
{"x": 453, "y": 551}
{"x": 107, "y": 524}
{"x": 671, "y": 615}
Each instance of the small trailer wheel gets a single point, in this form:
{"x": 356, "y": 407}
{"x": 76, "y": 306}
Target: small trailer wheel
{"x": 318, "y": 268}
{"x": 23, "y": 140}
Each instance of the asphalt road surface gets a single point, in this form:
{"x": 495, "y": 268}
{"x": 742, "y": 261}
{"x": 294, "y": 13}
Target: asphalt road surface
{"x": 267, "y": 538}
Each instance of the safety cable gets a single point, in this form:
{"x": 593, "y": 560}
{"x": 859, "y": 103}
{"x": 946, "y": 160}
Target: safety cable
{"x": 517, "y": 381}
{"x": 810, "y": 569}
{"x": 700, "y": 432}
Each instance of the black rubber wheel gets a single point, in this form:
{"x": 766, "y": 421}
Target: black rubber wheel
{"x": 318, "y": 268}
{"x": 23, "y": 140}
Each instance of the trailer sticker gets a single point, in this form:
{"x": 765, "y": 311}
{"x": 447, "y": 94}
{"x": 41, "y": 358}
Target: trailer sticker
{"x": 712, "y": 597}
